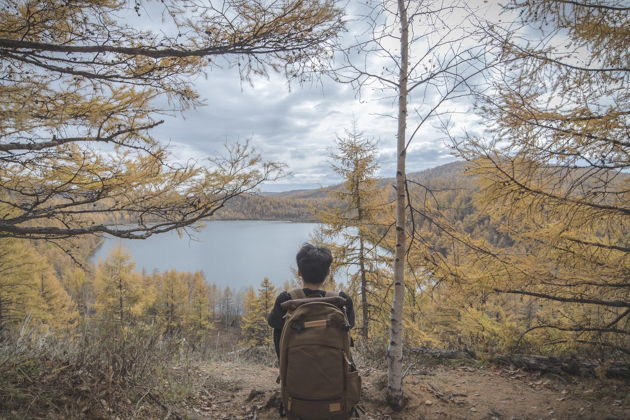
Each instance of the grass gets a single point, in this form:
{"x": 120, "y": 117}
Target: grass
{"x": 108, "y": 372}
{"x": 100, "y": 373}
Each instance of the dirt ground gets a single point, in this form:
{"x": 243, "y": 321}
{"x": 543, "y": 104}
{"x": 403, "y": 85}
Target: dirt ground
{"x": 247, "y": 391}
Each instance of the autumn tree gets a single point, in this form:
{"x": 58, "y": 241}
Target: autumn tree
{"x": 172, "y": 300}
{"x": 411, "y": 50}
{"x": 16, "y": 284}
{"x": 214, "y": 295}
{"x": 251, "y": 324}
{"x": 82, "y": 87}
{"x": 256, "y": 308}
{"x": 118, "y": 289}
{"x": 199, "y": 314}
{"x": 29, "y": 289}
{"x": 78, "y": 285}
{"x": 553, "y": 169}
{"x": 267, "y": 295}
{"x": 354, "y": 218}
{"x": 57, "y": 305}
{"x": 228, "y": 309}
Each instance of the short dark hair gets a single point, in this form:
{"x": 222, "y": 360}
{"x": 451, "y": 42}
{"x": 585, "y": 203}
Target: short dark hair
{"x": 314, "y": 263}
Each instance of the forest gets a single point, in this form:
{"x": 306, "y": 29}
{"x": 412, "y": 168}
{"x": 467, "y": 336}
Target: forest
{"x": 511, "y": 263}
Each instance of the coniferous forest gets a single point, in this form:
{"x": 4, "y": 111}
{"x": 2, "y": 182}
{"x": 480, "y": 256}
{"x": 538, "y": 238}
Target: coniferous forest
{"x": 494, "y": 286}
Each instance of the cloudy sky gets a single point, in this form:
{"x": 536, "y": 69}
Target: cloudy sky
{"x": 297, "y": 125}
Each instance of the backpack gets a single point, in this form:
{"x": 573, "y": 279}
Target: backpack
{"x": 319, "y": 380}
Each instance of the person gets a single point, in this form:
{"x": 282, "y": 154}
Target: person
{"x": 313, "y": 267}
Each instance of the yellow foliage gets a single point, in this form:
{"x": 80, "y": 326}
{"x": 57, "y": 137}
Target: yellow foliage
{"x": 30, "y": 289}
{"x": 256, "y": 308}
{"x": 119, "y": 294}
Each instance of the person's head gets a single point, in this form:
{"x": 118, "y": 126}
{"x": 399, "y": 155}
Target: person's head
{"x": 313, "y": 263}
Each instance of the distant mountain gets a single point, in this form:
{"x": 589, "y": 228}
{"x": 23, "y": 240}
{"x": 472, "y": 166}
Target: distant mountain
{"x": 302, "y": 205}
{"x": 443, "y": 173}
{"x": 312, "y": 193}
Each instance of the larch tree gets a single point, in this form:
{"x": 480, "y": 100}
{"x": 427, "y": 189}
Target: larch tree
{"x": 61, "y": 312}
{"x": 354, "y": 218}
{"x": 228, "y": 310}
{"x": 422, "y": 53}
{"x": 250, "y": 324}
{"x": 118, "y": 289}
{"x": 553, "y": 169}
{"x": 267, "y": 296}
{"x": 78, "y": 285}
{"x": 256, "y": 308}
{"x": 20, "y": 270}
{"x": 30, "y": 289}
{"x": 199, "y": 314}
{"x": 82, "y": 86}
{"x": 214, "y": 295}
{"x": 171, "y": 301}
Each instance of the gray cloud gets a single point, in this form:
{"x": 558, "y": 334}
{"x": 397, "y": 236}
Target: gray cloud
{"x": 297, "y": 125}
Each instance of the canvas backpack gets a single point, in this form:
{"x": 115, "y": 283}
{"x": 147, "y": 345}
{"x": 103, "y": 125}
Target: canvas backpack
{"x": 319, "y": 380}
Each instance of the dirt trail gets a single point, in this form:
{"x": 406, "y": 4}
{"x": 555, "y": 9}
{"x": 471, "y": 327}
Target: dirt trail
{"x": 245, "y": 391}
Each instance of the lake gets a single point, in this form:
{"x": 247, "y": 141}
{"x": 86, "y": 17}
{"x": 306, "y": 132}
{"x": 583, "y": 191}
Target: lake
{"x": 235, "y": 253}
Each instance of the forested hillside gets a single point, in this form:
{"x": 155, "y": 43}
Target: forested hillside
{"x": 302, "y": 205}
{"x": 265, "y": 207}
{"x": 455, "y": 238}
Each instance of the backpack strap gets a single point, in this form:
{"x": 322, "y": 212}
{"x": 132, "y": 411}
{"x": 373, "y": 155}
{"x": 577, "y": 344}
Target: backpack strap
{"x": 345, "y": 312}
{"x": 297, "y": 294}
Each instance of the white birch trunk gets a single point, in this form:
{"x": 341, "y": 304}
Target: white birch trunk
{"x": 395, "y": 396}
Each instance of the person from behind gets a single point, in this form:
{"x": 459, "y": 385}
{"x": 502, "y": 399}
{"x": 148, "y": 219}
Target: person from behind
{"x": 319, "y": 380}
{"x": 313, "y": 264}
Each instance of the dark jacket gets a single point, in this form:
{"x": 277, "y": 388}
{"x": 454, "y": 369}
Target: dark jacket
{"x": 276, "y": 317}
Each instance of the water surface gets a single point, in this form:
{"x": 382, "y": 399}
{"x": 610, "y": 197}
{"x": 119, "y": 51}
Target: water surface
{"x": 235, "y": 253}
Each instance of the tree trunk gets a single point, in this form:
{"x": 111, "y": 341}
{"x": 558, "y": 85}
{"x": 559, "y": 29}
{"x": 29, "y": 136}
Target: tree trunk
{"x": 442, "y": 353}
{"x": 2, "y": 321}
{"x": 564, "y": 365}
{"x": 364, "y": 300}
{"x": 120, "y": 301}
{"x": 395, "y": 397}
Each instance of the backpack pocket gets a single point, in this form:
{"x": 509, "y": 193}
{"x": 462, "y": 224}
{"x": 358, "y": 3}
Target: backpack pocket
{"x": 353, "y": 388}
{"x": 317, "y": 410}
{"x": 315, "y": 372}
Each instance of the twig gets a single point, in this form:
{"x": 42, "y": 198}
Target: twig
{"x": 135, "y": 414}
{"x": 408, "y": 369}
{"x": 169, "y": 411}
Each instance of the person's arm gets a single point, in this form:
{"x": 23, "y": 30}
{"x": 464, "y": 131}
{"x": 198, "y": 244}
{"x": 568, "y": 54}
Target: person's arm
{"x": 276, "y": 317}
{"x": 349, "y": 308}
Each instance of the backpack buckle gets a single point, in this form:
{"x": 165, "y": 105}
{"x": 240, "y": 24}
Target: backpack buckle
{"x": 297, "y": 327}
